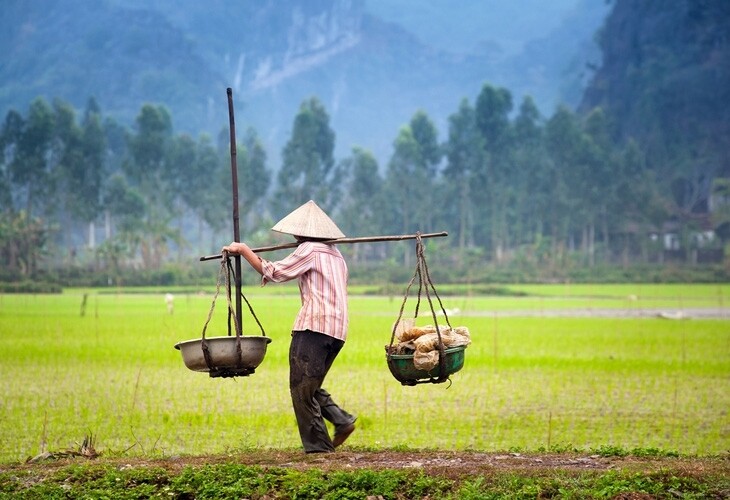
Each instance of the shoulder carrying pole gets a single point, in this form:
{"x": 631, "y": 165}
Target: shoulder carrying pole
{"x": 236, "y": 230}
{"x": 363, "y": 239}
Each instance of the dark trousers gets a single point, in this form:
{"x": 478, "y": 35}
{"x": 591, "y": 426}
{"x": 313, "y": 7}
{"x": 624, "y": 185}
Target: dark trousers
{"x": 310, "y": 357}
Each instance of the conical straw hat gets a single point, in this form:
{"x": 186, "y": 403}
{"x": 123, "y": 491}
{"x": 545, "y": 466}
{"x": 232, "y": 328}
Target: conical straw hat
{"x": 309, "y": 221}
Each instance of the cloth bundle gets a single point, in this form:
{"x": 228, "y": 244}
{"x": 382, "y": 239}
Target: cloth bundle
{"x": 423, "y": 342}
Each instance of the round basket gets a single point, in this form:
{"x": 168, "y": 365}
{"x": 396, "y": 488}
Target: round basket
{"x": 224, "y": 358}
{"x": 403, "y": 369}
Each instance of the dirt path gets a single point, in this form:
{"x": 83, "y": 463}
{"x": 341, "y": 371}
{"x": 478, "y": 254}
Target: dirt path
{"x": 668, "y": 313}
{"x": 664, "y": 313}
{"x": 444, "y": 474}
{"x": 464, "y": 463}
{"x": 451, "y": 464}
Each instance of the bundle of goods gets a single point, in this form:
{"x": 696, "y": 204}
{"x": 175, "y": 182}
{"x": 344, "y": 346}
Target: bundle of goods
{"x": 422, "y": 342}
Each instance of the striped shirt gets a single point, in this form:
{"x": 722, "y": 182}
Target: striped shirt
{"x": 322, "y": 275}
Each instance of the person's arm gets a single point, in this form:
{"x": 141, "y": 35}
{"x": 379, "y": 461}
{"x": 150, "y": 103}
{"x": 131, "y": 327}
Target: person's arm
{"x": 237, "y": 248}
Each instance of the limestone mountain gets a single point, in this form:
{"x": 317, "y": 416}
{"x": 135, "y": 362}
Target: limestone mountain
{"x": 371, "y": 68}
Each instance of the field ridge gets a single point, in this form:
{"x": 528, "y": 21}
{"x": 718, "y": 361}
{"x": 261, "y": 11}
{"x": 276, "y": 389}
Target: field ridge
{"x": 368, "y": 474}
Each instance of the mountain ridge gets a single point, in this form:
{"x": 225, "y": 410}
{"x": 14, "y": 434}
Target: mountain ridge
{"x": 371, "y": 73}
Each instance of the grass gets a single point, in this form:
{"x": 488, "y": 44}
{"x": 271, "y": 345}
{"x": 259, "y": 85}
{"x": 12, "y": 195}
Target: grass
{"x": 230, "y": 480}
{"x": 237, "y": 481}
{"x": 530, "y": 381}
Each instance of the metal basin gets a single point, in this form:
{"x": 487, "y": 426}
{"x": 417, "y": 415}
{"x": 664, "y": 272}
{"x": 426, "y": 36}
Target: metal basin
{"x": 223, "y": 354}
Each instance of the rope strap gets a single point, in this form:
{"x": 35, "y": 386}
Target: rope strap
{"x": 424, "y": 284}
{"x": 224, "y": 274}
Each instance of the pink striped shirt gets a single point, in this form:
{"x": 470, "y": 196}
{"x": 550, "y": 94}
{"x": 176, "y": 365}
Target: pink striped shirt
{"x": 322, "y": 275}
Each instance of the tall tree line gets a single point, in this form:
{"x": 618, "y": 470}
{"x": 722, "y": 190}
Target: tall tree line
{"x": 90, "y": 191}
{"x": 507, "y": 184}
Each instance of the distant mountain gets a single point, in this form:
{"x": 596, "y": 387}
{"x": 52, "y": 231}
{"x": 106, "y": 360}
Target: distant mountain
{"x": 371, "y": 73}
{"x": 124, "y": 57}
{"x": 507, "y": 27}
{"x": 665, "y": 82}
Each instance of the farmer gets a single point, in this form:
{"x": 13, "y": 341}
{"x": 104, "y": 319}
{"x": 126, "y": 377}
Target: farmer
{"x": 320, "y": 328}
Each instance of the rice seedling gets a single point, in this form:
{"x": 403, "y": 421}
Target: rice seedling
{"x": 530, "y": 381}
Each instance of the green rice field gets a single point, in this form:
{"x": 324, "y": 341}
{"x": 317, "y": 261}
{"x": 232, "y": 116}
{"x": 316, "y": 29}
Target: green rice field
{"x": 562, "y": 366}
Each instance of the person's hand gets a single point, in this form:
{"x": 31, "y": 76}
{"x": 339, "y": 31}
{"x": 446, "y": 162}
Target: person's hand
{"x": 235, "y": 248}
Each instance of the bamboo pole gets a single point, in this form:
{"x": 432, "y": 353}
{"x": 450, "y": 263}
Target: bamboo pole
{"x": 236, "y": 228}
{"x": 362, "y": 239}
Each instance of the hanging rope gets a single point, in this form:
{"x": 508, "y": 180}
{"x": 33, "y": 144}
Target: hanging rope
{"x": 224, "y": 274}
{"x": 424, "y": 284}
{"x": 248, "y": 304}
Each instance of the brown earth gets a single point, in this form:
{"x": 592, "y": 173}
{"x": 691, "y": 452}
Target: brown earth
{"x": 451, "y": 464}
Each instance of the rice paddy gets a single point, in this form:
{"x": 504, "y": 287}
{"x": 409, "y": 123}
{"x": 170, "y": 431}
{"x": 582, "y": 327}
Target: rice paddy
{"x": 541, "y": 373}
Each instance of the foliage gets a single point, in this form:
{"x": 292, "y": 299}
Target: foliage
{"x": 61, "y": 180}
{"x": 33, "y": 287}
{"x": 364, "y": 184}
{"x": 308, "y": 159}
{"x": 664, "y": 83}
{"x": 389, "y": 277}
{"x": 523, "y": 196}
{"x": 22, "y": 239}
{"x": 617, "y": 451}
{"x": 232, "y": 480}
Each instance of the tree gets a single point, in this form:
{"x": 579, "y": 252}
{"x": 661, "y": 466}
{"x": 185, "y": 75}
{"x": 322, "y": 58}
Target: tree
{"x": 464, "y": 155}
{"x": 126, "y": 209}
{"x": 22, "y": 243}
{"x": 197, "y": 181}
{"x": 66, "y": 170}
{"x": 27, "y": 151}
{"x": 429, "y": 156}
{"x": 562, "y": 143}
{"x": 183, "y": 178}
{"x": 10, "y": 137}
{"x": 407, "y": 186}
{"x": 30, "y": 168}
{"x": 93, "y": 148}
{"x": 494, "y": 191}
{"x": 637, "y": 204}
{"x": 361, "y": 210}
{"x": 254, "y": 178}
{"x": 116, "y": 138}
{"x": 720, "y": 209}
{"x": 148, "y": 148}
{"x": 493, "y": 106}
{"x": 213, "y": 202}
{"x": 81, "y": 164}
{"x": 307, "y": 162}
{"x": 533, "y": 180}
{"x": 152, "y": 172}
{"x": 594, "y": 181}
